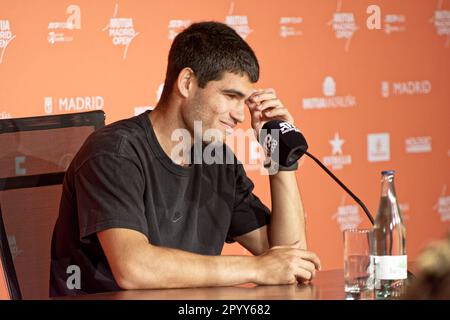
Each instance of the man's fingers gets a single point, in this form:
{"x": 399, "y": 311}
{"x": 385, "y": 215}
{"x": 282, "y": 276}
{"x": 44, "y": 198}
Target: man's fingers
{"x": 311, "y": 256}
{"x": 263, "y": 96}
{"x": 309, "y": 266}
{"x": 303, "y": 275}
{"x": 276, "y": 112}
{"x": 280, "y": 114}
{"x": 271, "y": 103}
{"x": 251, "y": 104}
{"x": 306, "y": 270}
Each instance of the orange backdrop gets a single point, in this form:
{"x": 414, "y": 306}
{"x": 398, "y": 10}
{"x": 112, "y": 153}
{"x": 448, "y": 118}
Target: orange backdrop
{"x": 367, "y": 82}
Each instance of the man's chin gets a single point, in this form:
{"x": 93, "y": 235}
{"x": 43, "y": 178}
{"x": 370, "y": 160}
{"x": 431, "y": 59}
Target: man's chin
{"x": 217, "y": 142}
{"x": 214, "y": 135}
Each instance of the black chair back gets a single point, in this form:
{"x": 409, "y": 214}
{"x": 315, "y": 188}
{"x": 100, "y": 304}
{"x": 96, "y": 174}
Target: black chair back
{"x": 34, "y": 155}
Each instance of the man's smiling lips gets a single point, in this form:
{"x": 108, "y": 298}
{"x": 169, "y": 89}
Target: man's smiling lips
{"x": 228, "y": 125}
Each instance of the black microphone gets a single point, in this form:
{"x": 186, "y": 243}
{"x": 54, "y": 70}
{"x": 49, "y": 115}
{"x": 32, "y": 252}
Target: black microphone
{"x": 285, "y": 144}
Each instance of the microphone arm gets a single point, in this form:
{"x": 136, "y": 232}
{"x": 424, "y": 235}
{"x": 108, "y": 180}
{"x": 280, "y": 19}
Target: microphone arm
{"x": 366, "y": 211}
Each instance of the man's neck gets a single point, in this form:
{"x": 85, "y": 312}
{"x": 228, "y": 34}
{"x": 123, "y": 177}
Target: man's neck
{"x": 165, "y": 120}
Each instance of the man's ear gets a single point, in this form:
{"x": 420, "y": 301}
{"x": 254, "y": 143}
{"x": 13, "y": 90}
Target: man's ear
{"x": 185, "y": 82}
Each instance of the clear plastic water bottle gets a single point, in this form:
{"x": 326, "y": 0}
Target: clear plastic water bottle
{"x": 389, "y": 243}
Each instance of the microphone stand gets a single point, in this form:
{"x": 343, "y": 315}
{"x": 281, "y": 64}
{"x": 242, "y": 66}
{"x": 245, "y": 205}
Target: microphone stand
{"x": 366, "y": 211}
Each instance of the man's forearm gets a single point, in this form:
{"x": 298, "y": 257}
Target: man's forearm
{"x": 288, "y": 219}
{"x": 159, "y": 267}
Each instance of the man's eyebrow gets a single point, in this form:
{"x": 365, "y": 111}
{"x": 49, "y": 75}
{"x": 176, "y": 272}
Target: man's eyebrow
{"x": 235, "y": 92}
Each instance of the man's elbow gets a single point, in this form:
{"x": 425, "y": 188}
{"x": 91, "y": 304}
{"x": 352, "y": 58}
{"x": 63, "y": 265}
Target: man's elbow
{"x": 124, "y": 276}
{"x": 128, "y": 277}
{"x": 126, "y": 284}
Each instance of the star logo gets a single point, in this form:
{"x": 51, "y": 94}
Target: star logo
{"x": 337, "y": 160}
{"x": 337, "y": 143}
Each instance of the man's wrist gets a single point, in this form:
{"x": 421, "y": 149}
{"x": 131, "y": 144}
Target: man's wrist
{"x": 253, "y": 268}
{"x": 290, "y": 168}
{"x": 273, "y": 167}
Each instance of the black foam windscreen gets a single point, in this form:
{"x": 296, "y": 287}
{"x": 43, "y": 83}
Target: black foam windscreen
{"x": 283, "y": 142}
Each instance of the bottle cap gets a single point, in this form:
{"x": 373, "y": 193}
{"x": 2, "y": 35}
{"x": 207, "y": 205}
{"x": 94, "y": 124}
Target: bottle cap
{"x": 388, "y": 172}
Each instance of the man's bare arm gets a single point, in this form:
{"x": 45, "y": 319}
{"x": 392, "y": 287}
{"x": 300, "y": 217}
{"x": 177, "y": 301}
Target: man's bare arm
{"x": 255, "y": 241}
{"x": 287, "y": 224}
{"x": 136, "y": 264}
{"x": 288, "y": 218}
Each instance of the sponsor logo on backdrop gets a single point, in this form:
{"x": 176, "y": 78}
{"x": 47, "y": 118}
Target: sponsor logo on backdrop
{"x": 443, "y": 205}
{"x": 391, "y": 23}
{"x": 337, "y": 160}
{"x": 400, "y": 88}
{"x": 329, "y": 98}
{"x": 6, "y": 37}
{"x": 385, "y": 89}
{"x": 5, "y": 115}
{"x": 56, "y": 105}
{"x": 378, "y": 147}
{"x": 63, "y": 31}
{"x": 238, "y": 23}
{"x": 121, "y": 31}
{"x": 343, "y": 24}
{"x": 441, "y": 21}
{"x": 347, "y": 216}
{"x": 394, "y": 23}
{"x": 177, "y": 26}
{"x": 329, "y": 86}
{"x": 48, "y": 105}
{"x": 418, "y": 144}
{"x": 290, "y": 26}
{"x": 15, "y": 251}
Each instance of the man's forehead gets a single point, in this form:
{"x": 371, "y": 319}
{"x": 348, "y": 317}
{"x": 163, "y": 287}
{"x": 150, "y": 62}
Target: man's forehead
{"x": 237, "y": 83}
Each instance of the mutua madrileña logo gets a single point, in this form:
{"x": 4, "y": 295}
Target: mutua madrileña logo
{"x": 329, "y": 98}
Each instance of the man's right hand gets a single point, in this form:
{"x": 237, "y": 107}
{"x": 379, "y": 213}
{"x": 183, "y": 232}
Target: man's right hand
{"x": 137, "y": 264}
{"x": 286, "y": 265}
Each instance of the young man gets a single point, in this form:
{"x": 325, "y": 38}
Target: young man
{"x": 134, "y": 215}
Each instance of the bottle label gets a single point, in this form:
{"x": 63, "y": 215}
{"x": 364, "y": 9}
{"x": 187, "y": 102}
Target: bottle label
{"x": 390, "y": 267}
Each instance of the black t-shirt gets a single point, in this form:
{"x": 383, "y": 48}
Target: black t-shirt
{"x": 122, "y": 178}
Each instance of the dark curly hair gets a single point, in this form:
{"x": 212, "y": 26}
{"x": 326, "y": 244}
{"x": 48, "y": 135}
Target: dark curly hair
{"x": 209, "y": 49}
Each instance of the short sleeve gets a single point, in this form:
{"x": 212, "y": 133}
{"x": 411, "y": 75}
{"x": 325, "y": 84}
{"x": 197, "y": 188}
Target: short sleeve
{"x": 109, "y": 190}
{"x": 249, "y": 213}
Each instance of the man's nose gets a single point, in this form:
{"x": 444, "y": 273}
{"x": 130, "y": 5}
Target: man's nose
{"x": 238, "y": 113}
